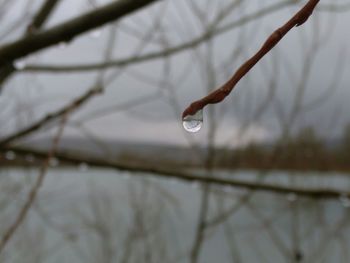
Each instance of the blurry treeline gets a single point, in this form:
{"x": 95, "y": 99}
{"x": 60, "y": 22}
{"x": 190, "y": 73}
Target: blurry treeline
{"x": 305, "y": 151}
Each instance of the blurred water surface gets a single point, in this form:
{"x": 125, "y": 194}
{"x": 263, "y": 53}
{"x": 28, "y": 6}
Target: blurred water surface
{"x": 92, "y": 215}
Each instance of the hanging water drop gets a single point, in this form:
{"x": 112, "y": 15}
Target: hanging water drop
{"x": 193, "y": 123}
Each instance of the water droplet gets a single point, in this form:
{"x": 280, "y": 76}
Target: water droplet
{"x": 20, "y": 64}
{"x": 54, "y": 162}
{"x": 193, "y": 123}
{"x": 292, "y": 197}
{"x": 10, "y": 155}
{"x": 96, "y": 33}
{"x": 83, "y": 167}
{"x": 345, "y": 200}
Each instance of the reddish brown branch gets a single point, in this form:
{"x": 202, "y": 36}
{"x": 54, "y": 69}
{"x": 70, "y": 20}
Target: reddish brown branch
{"x": 218, "y": 95}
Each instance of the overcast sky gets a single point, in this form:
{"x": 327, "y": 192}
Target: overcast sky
{"x": 158, "y": 120}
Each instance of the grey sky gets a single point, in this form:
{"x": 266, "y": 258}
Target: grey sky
{"x": 158, "y": 121}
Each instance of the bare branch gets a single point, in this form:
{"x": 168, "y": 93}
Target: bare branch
{"x": 34, "y": 191}
{"x": 70, "y": 29}
{"x": 50, "y": 117}
{"x": 208, "y": 34}
{"x": 218, "y": 95}
{"x": 156, "y": 171}
{"x": 43, "y": 14}
{"x": 38, "y": 21}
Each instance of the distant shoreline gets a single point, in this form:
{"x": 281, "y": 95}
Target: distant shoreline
{"x": 254, "y": 157}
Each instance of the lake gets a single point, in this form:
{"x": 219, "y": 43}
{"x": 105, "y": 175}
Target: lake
{"x": 91, "y": 215}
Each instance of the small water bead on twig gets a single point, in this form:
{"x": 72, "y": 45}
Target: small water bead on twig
{"x": 193, "y": 123}
{"x": 19, "y": 64}
{"x": 344, "y": 200}
{"x": 10, "y": 155}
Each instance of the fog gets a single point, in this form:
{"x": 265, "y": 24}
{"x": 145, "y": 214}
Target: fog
{"x": 156, "y": 120}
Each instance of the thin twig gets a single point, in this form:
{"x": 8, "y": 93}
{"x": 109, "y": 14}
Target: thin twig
{"x": 38, "y": 21}
{"x": 51, "y": 117}
{"x": 210, "y": 33}
{"x": 218, "y": 95}
{"x": 34, "y": 191}
{"x": 69, "y": 29}
{"x": 84, "y": 98}
{"x": 159, "y": 172}
{"x": 43, "y": 14}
